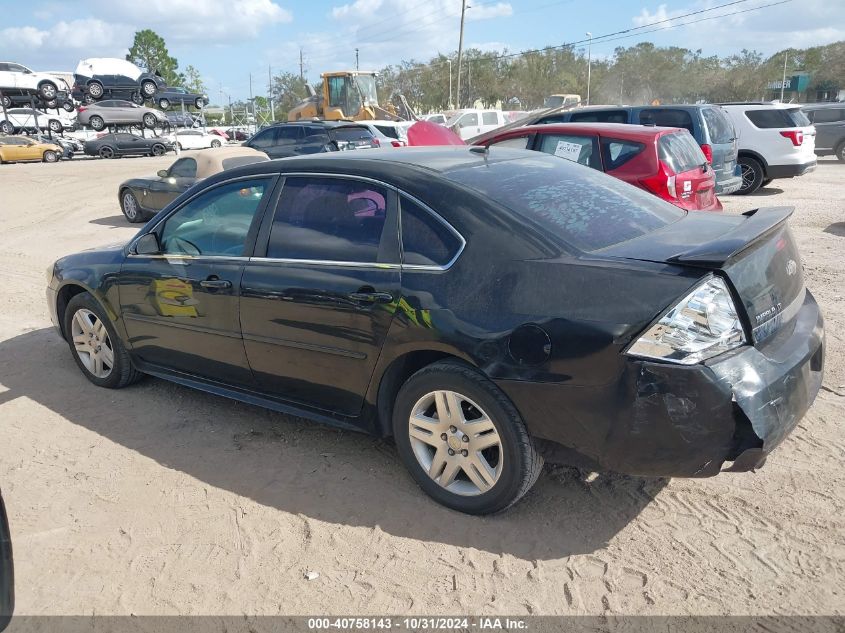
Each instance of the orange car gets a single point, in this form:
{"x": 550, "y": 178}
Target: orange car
{"x": 13, "y": 148}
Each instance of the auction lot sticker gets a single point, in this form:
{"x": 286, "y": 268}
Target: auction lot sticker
{"x": 567, "y": 150}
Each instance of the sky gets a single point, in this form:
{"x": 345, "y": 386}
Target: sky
{"x": 227, "y": 40}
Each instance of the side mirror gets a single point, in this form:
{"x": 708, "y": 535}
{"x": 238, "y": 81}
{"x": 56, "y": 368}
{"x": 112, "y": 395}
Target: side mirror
{"x": 162, "y": 173}
{"x": 7, "y": 570}
{"x": 147, "y": 244}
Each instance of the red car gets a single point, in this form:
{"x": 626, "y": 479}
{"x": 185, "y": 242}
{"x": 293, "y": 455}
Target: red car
{"x": 664, "y": 161}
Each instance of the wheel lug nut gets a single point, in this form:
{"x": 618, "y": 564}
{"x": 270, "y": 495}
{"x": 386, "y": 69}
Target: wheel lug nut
{"x": 465, "y": 438}
{"x": 453, "y": 429}
{"x": 464, "y": 452}
{"x": 451, "y": 452}
{"x": 443, "y": 436}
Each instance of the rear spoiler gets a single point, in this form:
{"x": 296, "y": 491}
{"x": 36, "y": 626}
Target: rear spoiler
{"x": 759, "y": 223}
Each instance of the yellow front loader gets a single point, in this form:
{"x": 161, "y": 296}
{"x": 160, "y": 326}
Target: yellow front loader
{"x": 345, "y": 95}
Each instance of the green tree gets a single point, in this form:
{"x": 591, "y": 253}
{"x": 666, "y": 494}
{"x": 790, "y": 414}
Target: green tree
{"x": 287, "y": 91}
{"x": 149, "y": 52}
{"x": 192, "y": 80}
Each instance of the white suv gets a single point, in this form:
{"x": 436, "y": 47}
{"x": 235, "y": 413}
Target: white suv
{"x": 20, "y": 78}
{"x": 775, "y": 140}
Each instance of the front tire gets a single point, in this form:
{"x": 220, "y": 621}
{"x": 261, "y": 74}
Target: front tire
{"x": 158, "y": 150}
{"x": 840, "y": 152}
{"x": 95, "y": 345}
{"x": 97, "y": 123}
{"x": 216, "y": 143}
{"x": 752, "y": 175}
{"x": 7, "y": 102}
{"x": 6, "y": 127}
{"x": 95, "y": 90}
{"x": 150, "y": 120}
{"x": 148, "y": 88}
{"x": 106, "y": 152}
{"x": 55, "y": 126}
{"x": 462, "y": 439}
{"x": 47, "y": 90}
{"x": 199, "y": 103}
{"x": 67, "y": 106}
{"x": 130, "y": 207}
{"x": 50, "y": 156}
{"x": 163, "y": 104}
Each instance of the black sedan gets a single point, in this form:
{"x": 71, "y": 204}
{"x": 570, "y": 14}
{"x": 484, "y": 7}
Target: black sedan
{"x": 487, "y": 308}
{"x": 7, "y": 570}
{"x": 124, "y": 144}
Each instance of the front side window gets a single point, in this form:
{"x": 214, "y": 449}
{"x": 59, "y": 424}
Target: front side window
{"x": 579, "y": 149}
{"x": 184, "y": 168}
{"x": 468, "y": 120}
{"x": 328, "y": 219}
{"x": 519, "y": 142}
{"x": 215, "y": 222}
{"x": 426, "y": 241}
{"x": 267, "y": 138}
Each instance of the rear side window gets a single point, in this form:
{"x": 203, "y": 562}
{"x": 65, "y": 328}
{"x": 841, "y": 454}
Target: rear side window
{"x": 328, "y": 219}
{"x": 579, "y": 149}
{"x": 352, "y": 134}
{"x": 388, "y": 130}
{"x": 617, "y": 152}
{"x": 267, "y": 138}
{"x": 468, "y": 120}
{"x": 667, "y": 118}
{"x": 601, "y": 116}
{"x": 828, "y": 115}
{"x": 489, "y": 118}
{"x": 719, "y": 126}
{"x": 580, "y": 207}
{"x": 426, "y": 241}
{"x": 680, "y": 152}
{"x": 777, "y": 118}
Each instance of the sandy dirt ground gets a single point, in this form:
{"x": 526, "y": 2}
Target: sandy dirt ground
{"x": 157, "y": 499}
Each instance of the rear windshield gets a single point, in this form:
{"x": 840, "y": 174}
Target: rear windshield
{"x": 388, "y": 130}
{"x": 667, "y": 117}
{"x": 600, "y": 116}
{"x": 778, "y": 118}
{"x": 719, "y": 126}
{"x": 353, "y": 134}
{"x": 582, "y": 207}
{"x": 680, "y": 152}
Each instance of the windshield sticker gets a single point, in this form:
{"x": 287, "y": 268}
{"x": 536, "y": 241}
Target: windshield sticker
{"x": 567, "y": 150}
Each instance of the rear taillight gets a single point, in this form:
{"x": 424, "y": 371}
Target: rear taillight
{"x": 376, "y": 142}
{"x": 81, "y": 109}
{"x": 796, "y": 136}
{"x": 397, "y": 143}
{"x": 708, "y": 153}
{"x": 661, "y": 184}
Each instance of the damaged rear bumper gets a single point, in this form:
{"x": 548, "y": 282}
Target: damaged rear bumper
{"x": 669, "y": 420}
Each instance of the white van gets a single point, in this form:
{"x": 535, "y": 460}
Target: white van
{"x": 471, "y": 122}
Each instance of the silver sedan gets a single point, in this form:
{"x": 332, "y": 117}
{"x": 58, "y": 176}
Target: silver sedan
{"x": 118, "y": 112}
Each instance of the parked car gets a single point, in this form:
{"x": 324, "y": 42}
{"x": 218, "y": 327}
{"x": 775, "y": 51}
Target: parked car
{"x": 406, "y": 293}
{"x": 7, "y": 569}
{"x": 471, "y": 122}
{"x": 13, "y": 97}
{"x": 179, "y": 96}
{"x": 17, "y": 77}
{"x": 437, "y": 117}
{"x": 18, "y": 119}
{"x": 142, "y": 198}
{"x": 776, "y": 140}
{"x": 96, "y": 76}
{"x": 102, "y": 114}
{"x": 708, "y": 124}
{"x": 237, "y": 134}
{"x": 395, "y": 130}
{"x": 219, "y": 132}
{"x": 565, "y": 101}
{"x": 68, "y": 146}
{"x": 178, "y": 119}
{"x": 196, "y": 139}
{"x": 124, "y": 144}
{"x": 381, "y": 138}
{"x": 312, "y": 137}
{"x": 829, "y": 121}
{"x": 664, "y": 161}
{"x": 21, "y": 148}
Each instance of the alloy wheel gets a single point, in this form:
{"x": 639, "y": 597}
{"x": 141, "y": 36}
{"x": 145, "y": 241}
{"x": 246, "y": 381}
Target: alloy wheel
{"x": 130, "y": 206}
{"x": 149, "y": 120}
{"x": 95, "y": 90}
{"x": 148, "y": 88}
{"x": 106, "y": 152}
{"x": 456, "y": 443}
{"x": 92, "y": 343}
{"x": 747, "y": 176}
{"x": 48, "y": 91}
{"x": 164, "y": 104}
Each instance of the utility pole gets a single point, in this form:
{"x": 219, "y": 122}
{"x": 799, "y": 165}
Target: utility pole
{"x": 589, "y": 64}
{"x": 356, "y": 60}
{"x": 252, "y": 99}
{"x": 783, "y": 81}
{"x": 270, "y": 92}
{"x": 449, "y": 61}
{"x": 301, "y": 72}
{"x": 460, "y": 52}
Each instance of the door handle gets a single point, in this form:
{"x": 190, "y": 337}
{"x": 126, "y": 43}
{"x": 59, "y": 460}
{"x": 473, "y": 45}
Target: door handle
{"x": 371, "y": 297}
{"x": 214, "y": 283}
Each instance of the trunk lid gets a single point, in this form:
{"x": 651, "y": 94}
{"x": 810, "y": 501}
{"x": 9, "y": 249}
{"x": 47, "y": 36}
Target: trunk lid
{"x": 756, "y": 252}
{"x": 694, "y": 180}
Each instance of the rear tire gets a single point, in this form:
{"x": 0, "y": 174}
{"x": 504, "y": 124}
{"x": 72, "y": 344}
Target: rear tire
{"x": 6, "y": 127}
{"x": 95, "y": 90}
{"x": 199, "y": 103}
{"x": 67, "y": 106}
{"x": 106, "y": 152}
{"x": 512, "y": 463}
{"x": 148, "y": 88}
{"x": 150, "y": 120}
{"x": 47, "y": 90}
{"x": 840, "y": 152}
{"x": 752, "y": 175}
{"x": 216, "y": 143}
{"x": 158, "y": 150}
{"x": 7, "y": 102}
{"x": 163, "y": 104}
{"x": 97, "y": 123}
{"x": 766, "y": 182}
{"x": 91, "y": 338}
{"x": 55, "y": 126}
